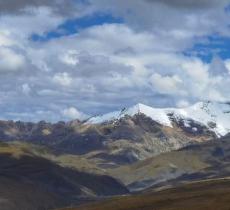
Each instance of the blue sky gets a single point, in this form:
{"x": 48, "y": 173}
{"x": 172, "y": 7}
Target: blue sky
{"x": 62, "y": 60}
{"x": 73, "y": 26}
{"x": 210, "y": 46}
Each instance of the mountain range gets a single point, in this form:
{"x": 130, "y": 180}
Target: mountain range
{"x": 129, "y": 135}
{"x": 136, "y": 150}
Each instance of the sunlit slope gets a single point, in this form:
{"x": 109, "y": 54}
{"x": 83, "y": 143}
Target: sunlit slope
{"x": 206, "y": 160}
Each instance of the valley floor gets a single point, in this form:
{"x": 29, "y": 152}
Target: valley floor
{"x": 203, "y": 195}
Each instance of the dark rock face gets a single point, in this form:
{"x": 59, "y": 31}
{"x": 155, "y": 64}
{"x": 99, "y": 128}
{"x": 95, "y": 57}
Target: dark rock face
{"x": 134, "y": 128}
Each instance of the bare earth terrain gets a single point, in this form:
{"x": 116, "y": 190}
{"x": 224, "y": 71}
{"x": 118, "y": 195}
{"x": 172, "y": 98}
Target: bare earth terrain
{"x": 206, "y": 195}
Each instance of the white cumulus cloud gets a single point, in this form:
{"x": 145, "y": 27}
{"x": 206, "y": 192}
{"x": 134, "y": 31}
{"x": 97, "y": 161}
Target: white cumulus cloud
{"x": 167, "y": 84}
{"x": 63, "y": 79}
{"x": 72, "y": 113}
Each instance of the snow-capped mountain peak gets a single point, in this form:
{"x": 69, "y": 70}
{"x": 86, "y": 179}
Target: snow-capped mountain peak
{"x": 213, "y": 115}
{"x": 158, "y": 115}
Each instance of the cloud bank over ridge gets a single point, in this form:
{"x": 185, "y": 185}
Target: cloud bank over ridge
{"x": 149, "y": 56}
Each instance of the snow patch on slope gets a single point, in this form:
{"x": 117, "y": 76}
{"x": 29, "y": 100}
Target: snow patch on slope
{"x": 215, "y": 116}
